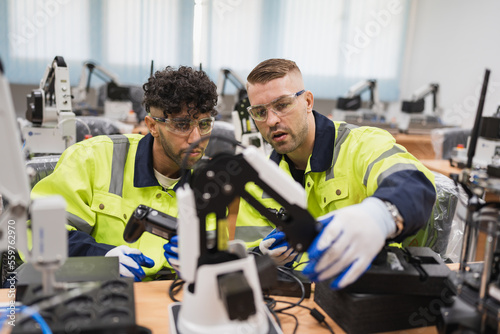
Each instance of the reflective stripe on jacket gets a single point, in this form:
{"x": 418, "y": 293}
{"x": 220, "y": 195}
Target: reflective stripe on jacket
{"x": 348, "y": 164}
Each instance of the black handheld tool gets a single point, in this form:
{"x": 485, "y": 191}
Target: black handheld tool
{"x": 147, "y": 219}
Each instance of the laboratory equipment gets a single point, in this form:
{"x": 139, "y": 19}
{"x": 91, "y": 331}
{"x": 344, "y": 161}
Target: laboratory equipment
{"x": 52, "y": 127}
{"x": 43, "y": 302}
{"x": 117, "y": 99}
{"x": 245, "y": 130}
{"x": 349, "y": 108}
{"x": 223, "y": 289}
{"x": 48, "y": 215}
{"x": 412, "y": 118}
{"x": 476, "y": 309}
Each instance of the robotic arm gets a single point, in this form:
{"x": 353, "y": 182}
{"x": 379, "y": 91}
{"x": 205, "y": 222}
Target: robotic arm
{"x": 50, "y": 112}
{"x": 222, "y": 291}
{"x": 80, "y": 92}
{"x": 412, "y": 110}
{"x": 353, "y": 99}
{"x": 245, "y": 130}
{"x": 118, "y": 100}
{"x": 226, "y": 74}
{"x": 416, "y": 104}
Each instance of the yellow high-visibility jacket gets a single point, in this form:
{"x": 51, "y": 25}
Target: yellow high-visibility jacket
{"x": 348, "y": 164}
{"x": 103, "y": 180}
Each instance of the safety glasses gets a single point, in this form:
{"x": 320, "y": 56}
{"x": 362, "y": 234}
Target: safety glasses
{"x": 280, "y": 106}
{"x": 184, "y": 126}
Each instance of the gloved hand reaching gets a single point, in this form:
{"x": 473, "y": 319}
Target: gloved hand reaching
{"x": 131, "y": 260}
{"x": 350, "y": 240}
{"x": 172, "y": 254}
{"x": 276, "y": 246}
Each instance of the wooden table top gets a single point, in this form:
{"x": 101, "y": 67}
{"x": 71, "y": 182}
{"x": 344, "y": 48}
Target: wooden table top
{"x": 440, "y": 166}
{"x": 152, "y": 302}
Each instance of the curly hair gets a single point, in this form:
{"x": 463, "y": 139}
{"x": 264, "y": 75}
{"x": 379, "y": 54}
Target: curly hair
{"x": 170, "y": 90}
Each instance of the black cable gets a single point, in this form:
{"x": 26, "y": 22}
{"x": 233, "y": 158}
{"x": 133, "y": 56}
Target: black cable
{"x": 174, "y": 289}
{"x": 296, "y": 321}
{"x": 314, "y": 313}
{"x": 299, "y": 264}
{"x": 275, "y": 316}
{"x": 301, "y": 285}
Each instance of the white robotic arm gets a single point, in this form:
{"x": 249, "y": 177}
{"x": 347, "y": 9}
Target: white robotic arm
{"x": 416, "y": 104}
{"x": 89, "y": 68}
{"x": 352, "y": 101}
{"x": 413, "y": 109}
{"x": 50, "y": 112}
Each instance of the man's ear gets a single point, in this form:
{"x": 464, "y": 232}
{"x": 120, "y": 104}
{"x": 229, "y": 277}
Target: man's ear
{"x": 151, "y": 124}
{"x": 309, "y": 100}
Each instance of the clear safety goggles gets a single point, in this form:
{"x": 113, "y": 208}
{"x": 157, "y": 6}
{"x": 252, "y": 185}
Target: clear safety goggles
{"x": 280, "y": 106}
{"x": 184, "y": 126}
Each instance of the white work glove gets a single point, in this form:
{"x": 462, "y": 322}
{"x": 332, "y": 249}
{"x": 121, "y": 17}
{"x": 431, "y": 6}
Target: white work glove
{"x": 131, "y": 260}
{"x": 351, "y": 238}
{"x": 278, "y": 249}
{"x": 172, "y": 254}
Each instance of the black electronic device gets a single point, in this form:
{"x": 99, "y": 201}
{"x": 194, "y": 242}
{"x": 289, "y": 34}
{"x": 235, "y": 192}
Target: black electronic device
{"x": 417, "y": 103}
{"x": 410, "y": 271}
{"x": 34, "y": 113}
{"x": 352, "y": 103}
{"x": 391, "y": 293}
{"x": 146, "y": 219}
{"x": 413, "y": 107}
{"x": 353, "y": 99}
{"x": 287, "y": 284}
{"x": 96, "y": 307}
{"x": 375, "y": 313}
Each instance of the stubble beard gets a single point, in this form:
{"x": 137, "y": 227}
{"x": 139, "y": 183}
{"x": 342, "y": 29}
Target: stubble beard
{"x": 295, "y": 139}
{"x": 177, "y": 157}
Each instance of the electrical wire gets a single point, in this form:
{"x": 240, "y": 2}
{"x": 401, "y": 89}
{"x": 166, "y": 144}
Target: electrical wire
{"x": 271, "y": 310}
{"x": 296, "y": 321}
{"x": 311, "y": 310}
{"x": 76, "y": 120}
{"x": 32, "y": 313}
{"x": 271, "y": 303}
{"x": 299, "y": 264}
{"x": 174, "y": 289}
{"x": 301, "y": 285}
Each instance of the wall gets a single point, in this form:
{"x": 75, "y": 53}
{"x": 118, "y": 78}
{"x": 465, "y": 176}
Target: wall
{"x": 449, "y": 42}
{"x": 452, "y": 43}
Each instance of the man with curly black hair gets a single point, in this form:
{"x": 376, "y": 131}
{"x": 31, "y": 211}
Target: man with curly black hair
{"x": 105, "y": 178}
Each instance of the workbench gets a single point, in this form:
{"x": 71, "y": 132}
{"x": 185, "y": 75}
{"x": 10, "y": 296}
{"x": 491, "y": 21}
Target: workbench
{"x": 152, "y": 302}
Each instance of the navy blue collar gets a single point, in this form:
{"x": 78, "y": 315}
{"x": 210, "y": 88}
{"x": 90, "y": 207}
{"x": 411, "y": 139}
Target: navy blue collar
{"x": 144, "y": 175}
{"x": 324, "y": 140}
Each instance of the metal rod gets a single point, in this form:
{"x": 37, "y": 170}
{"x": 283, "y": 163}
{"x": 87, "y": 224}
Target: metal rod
{"x": 477, "y": 123}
